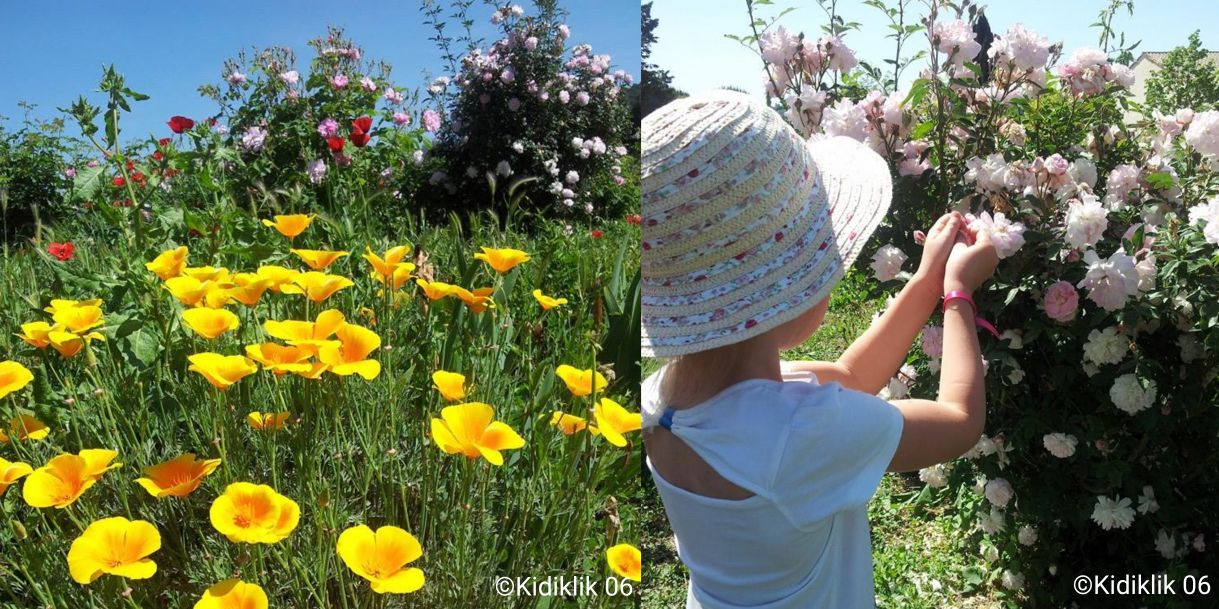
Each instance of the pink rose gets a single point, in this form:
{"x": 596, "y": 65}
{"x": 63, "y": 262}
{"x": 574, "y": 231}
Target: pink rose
{"x": 1061, "y": 301}
{"x": 1056, "y": 165}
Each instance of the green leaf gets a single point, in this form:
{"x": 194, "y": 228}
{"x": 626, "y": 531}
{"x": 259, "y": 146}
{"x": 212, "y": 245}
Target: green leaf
{"x": 1160, "y": 180}
{"x": 87, "y": 182}
{"x": 918, "y": 91}
{"x": 143, "y": 347}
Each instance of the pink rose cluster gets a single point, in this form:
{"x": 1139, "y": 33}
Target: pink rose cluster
{"x": 351, "y": 53}
{"x": 877, "y": 120}
{"x": 1020, "y": 49}
{"x": 1088, "y": 72}
{"x": 1042, "y": 177}
{"x": 793, "y": 56}
{"x": 1020, "y": 55}
{"x": 585, "y": 76}
{"x": 955, "y": 39}
{"x": 1203, "y": 134}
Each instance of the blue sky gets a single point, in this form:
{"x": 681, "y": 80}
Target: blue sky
{"x": 54, "y": 50}
{"x": 692, "y": 47}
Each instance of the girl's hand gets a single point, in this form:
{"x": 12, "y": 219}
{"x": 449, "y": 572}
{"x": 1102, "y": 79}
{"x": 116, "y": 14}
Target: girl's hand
{"x": 970, "y": 264}
{"x": 937, "y": 247}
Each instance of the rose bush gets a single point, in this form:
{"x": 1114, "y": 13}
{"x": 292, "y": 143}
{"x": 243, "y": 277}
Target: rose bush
{"x": 530, "y": 123}
{"x": 1097, "y": 457}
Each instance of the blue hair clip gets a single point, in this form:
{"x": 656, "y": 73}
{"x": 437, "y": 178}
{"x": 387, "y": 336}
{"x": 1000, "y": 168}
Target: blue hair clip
{"x": 666, "y": 419}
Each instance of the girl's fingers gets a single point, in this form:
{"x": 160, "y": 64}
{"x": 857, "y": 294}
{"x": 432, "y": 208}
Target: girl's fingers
{"x": 940, "y": 224}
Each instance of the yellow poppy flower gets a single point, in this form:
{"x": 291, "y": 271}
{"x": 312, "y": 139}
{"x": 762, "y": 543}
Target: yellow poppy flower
{"x": 626, "y": 560}
{"x": 468, "y": 429}
{"x": 452, "y": 386}
{"x": 206, "y": 273}
{"x": 62, "y": 304}
{"x": 350, "y": 356}
{"x": 435, "y": 290}
{"x": 384, "y": 267}
{"x": 548, "y": 302}
{"x": 218, "y": 294}
{"x": 114, "y": 546}
{"x": 221, "y": 370}
{"x": 580, "y": 382}
{"x": 194, "y": 292}
{"x": 315, "y": 371}
{"x": 169, "y": 263}
{"x": 277, "y": 276}
{"x": 79, "y": 319}
{"x": 290, "y": 225}
{"x": 478, "y": 300}
{"x": 502, "y": 260}
{"x": 233, "y": 594}
{"x": 254, "y": 513}
{"x": 248, "y": 288}
{"x": 317, "y": 286}
{"x": 25, "y": 428}
{"x": 309, "y": 334}
{"x": 65, "y": 478}
{"x": 11, "y": 472}
{"x": 402, "y": 274}
{"x": 318, "y": 260}
{"x": 567, "y": 423}
{"x": 381, "y": 558}
{"x": 35, "y": 334}
{"x": 178, "y": 477}
{"x": 279, "y": 359}
{"x": 13, "y": 376}
{"x": 613, "y": 421}
{"x": 267, "y": 421}
{"x": 210, "y": 323}
{"x": 69, "y": 344}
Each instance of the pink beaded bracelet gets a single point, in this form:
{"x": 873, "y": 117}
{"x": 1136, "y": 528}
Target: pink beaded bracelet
{"x": 981, "y": 323}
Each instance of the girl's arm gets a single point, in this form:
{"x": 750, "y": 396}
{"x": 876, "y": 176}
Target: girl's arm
{"x": 870, "y": 361}
{"x": 940, "y": 430}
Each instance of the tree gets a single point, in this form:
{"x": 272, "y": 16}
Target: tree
{"x": 1186, "y": 79}
{"x": 656, "y": 87}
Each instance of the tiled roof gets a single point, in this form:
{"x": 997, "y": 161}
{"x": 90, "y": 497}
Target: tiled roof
{"x": 1157, "y": 57}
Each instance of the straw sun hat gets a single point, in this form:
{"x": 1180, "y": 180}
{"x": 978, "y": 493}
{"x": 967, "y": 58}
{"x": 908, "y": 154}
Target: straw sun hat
{"x": 746, "y": 225}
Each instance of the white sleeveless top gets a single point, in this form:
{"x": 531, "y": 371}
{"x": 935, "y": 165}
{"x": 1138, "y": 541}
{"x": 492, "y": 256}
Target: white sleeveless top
{"x": 813, "y": 456}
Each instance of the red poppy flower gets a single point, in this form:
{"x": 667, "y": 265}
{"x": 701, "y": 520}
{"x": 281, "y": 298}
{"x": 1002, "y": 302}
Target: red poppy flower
{"x": 635, "y": 219}
{"x": 157, "y": 156}
{"x": 163, "y": 142}
{"x": 336, "y": 143}
{"x": 359, "y": 131}
{"x": 178, "y": 124}
{"x": 596, "y": 234}
{"x": 62, "y": 251}
{"x": 119, "y": 181}
{"x": 130, "y": 165}
{"x": 139, "y": 178}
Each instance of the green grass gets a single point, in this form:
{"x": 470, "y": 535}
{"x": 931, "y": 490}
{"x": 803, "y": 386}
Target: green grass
{"x": 920, "y": 562}
{"x": 355, "y": 451}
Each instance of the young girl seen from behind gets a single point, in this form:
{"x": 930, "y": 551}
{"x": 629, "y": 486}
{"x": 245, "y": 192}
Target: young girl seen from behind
{"x": 764, "y": 466}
